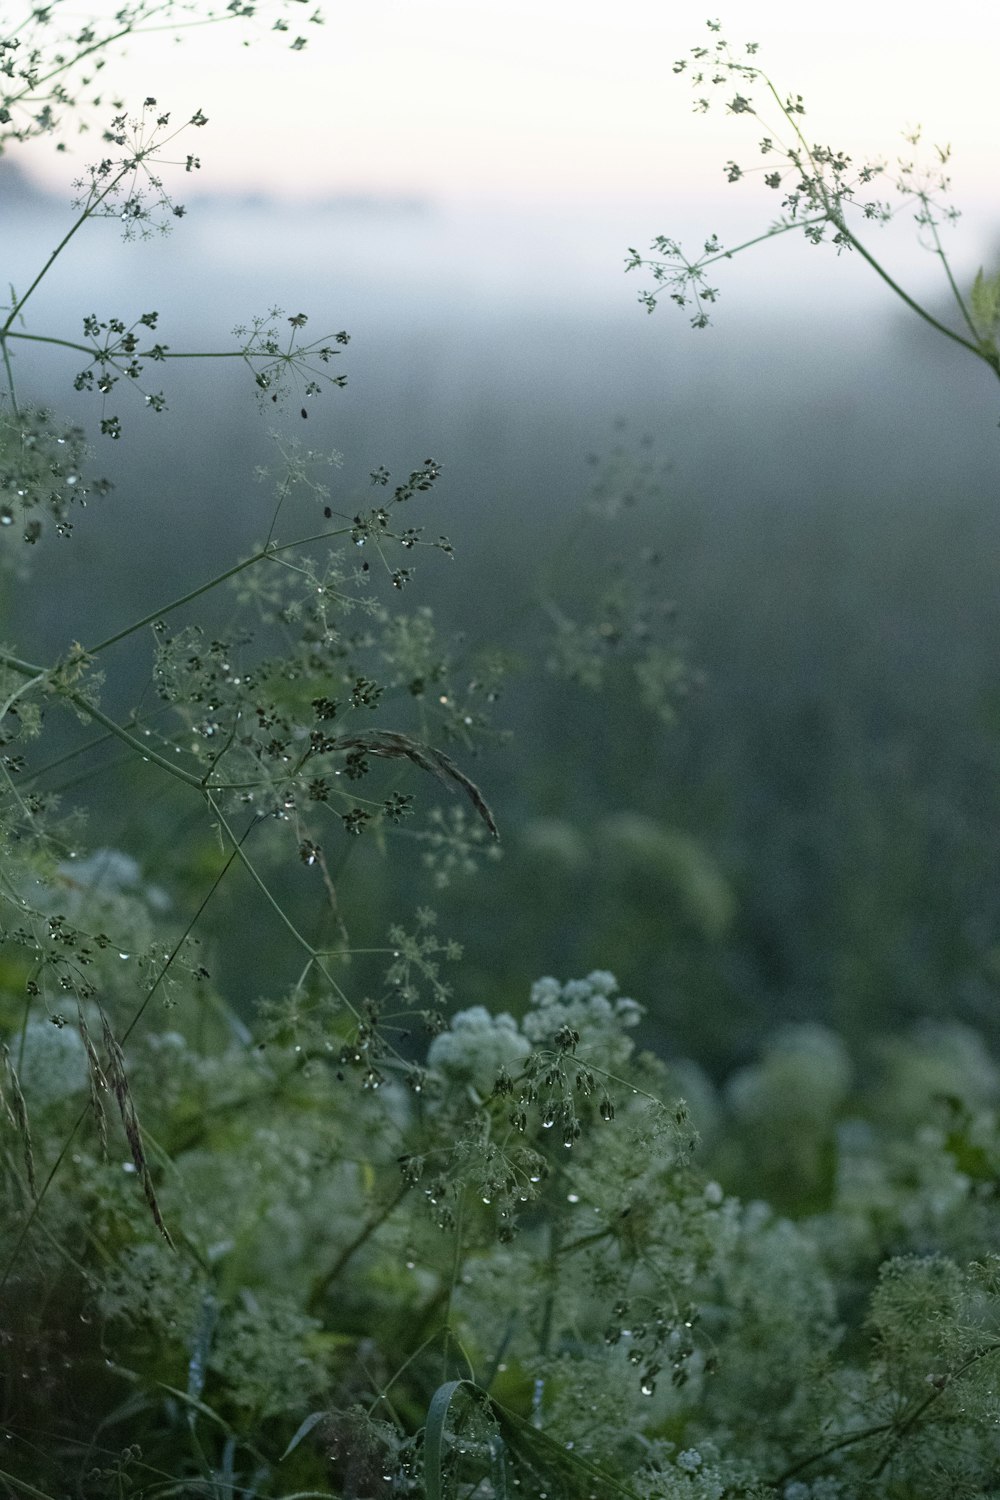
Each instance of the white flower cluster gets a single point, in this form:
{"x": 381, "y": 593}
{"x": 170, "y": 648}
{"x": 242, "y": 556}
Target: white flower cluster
{"x": 586, "y": 1006}
{"x": 477, "y": 1046}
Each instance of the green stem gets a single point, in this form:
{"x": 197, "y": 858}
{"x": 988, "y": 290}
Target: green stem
{"x": 836, "y": 218}
{"x": 146, "y": 751}
{"x": 902, "y": 1428}
{"x": 9, "y": 372}
{"x": 315, "y": 956}
{"x": 769, "y": 234}
{"x": 96, "y": 46}
{"x": 272, "y": 549}
{"x": 323, "y": 1284}
{"x": 939, "y": 249}
{"x": 26, "y": 669}
{"x": 18, "y": 307}
{"x": 894, "y": 286}
{"x": 165, "y": 609}
{"x": 834, "y": 1447}
{"x": 155, "y": 355}
{"x": 85, "y": 1111}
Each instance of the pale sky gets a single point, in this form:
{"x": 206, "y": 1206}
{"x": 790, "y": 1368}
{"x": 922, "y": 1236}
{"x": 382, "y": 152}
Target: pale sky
{"x": 559, "y": 100}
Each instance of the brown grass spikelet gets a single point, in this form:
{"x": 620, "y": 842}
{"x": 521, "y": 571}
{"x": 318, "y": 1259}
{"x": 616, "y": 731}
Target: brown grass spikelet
{"x": 16, "y": 1111}
{"x": 118, "y": 1080}
{"x": 389, "y": 744}
{"x": 98, "y": 1082}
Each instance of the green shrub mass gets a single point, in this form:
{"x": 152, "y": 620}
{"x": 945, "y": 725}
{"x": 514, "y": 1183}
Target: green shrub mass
{"x": 355, "y": 1233}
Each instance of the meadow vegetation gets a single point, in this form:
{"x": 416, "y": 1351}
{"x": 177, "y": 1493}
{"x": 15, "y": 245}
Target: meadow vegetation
{"x": 368, "y": 1224}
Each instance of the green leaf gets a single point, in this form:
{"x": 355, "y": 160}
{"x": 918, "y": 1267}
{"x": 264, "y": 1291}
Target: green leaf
{"x": 303, "y": 1430}
{"x": 543, "y": 1454}
{"x": 434, "y": 1438}
{"x": 985, "y": 300}
{"x": 526, "y": 1445}
{"x": 23, "y": 1487}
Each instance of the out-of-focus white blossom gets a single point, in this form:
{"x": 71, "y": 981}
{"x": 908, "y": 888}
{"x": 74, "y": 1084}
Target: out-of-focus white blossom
{"x": 477, "y": 1046}
{"x": 588, "y": 1007}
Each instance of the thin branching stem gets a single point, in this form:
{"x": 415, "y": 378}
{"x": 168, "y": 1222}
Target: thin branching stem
{"x": 271, "y": 549}
{"x": 371, "y": 1225}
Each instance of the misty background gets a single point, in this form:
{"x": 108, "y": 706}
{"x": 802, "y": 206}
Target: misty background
{"x": 817, "y": 835}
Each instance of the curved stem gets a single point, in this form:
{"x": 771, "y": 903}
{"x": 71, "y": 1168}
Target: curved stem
{"x": 835, "y": 217}
{"x": 914, "y": 306}
{"x": 960, "y": 300}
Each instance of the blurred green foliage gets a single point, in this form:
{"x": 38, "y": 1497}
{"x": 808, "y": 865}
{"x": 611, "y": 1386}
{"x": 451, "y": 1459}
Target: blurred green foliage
{"x": 303, "y": 1197}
